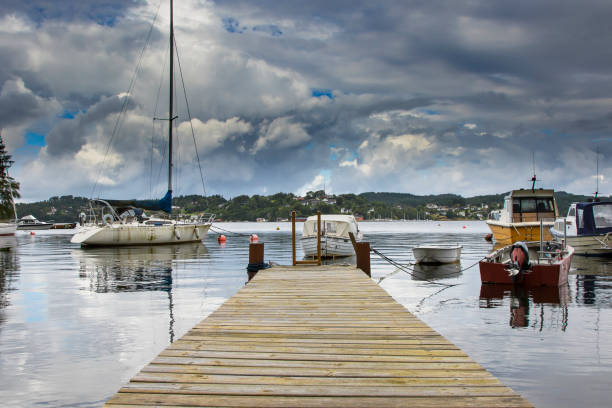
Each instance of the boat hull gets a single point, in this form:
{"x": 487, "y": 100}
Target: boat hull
{"x": 122, "y": 234}
{"x": 587, "y": 245}
{"x": 7, "y": 228}
{"x": 436, "y": 254}
{"x": 509, "y": 233}
{"x": 34, "y": 227}
{"x": 552, "y": 273}
{"x": 330, "y": 247}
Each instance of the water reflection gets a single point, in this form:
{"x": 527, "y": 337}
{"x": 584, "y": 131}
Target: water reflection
{"x": 9, "y": 268}
{"x": 434, "y": 272}
{"x": 527, "y": 305}
{"x": 135, "y": 269}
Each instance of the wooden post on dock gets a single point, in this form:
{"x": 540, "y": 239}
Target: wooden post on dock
{"x": 256, "y": 257}
{"x": 314, "y": 261}
{"x": 362, "y": 251}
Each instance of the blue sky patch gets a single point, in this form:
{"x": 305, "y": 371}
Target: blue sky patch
{"x": 318, "y": 93}
{"x": 271, "y": 29}
{"x": 232, "y": 25}
{"x": 68, "y": 114}
{"x": 35, "y": 139}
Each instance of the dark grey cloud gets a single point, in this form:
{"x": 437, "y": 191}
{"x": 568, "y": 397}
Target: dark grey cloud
{"x": 411, "y": 96}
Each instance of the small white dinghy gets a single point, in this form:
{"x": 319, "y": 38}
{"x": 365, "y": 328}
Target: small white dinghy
{"x": 436, "y": 254}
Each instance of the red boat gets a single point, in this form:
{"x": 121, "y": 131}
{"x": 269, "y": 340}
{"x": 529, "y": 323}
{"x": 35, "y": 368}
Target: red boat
{"x": 528, "y": 264}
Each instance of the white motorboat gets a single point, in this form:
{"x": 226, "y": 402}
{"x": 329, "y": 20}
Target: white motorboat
{"x": 29, "y": 222}
{"x": 122, "y": 222}
{"x": 437, "y": 254}
{"x": 335, "y": 239}
{"x": 587, "y": 227}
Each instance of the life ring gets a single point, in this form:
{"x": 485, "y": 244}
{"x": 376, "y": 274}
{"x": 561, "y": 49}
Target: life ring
{"x": 196, "y": 231}
{"x": 108, "y": 219}
{"x": 177, "y": 233}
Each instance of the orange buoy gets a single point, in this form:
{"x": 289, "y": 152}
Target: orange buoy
{"x": 32, "y": 233}
{"x": 254, "y": 238}
{"x": 221, "y": 238}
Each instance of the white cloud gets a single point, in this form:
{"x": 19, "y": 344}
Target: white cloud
{"x": 281, "y": 133}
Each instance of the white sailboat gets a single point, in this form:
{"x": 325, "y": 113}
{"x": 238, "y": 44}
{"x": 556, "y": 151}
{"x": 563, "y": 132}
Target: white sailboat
{"x": 123, "y": 222}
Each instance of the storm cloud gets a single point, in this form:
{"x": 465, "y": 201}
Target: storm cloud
{"x": 408, "y": 96}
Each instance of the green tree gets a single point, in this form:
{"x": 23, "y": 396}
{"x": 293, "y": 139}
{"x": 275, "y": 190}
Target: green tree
{"x": 9, "y": 188}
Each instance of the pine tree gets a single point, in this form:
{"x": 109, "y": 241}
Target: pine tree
{"x": 9, "y": 188}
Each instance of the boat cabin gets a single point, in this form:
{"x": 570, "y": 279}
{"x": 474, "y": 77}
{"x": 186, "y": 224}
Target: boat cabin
{"x": 589, "y": 218}
{"x": 331, "y": 225}
{"x": 531, "y": 205}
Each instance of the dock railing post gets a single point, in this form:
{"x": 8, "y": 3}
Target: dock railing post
{"x": 309, "y": 261}
{"x": 293, "y": 236}
{"x": 318, "y": 237}
{"x": 256, "y": 258}
{"x": 362, "y": 252}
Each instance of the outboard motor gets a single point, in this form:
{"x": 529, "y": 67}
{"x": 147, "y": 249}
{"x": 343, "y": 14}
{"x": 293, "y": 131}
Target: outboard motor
{"x": 519, "y": 259}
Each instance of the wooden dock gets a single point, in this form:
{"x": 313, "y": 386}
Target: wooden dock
{"x": 314, "y": 336}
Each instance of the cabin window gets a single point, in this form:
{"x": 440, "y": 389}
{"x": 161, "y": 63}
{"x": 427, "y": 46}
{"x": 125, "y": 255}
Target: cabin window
{"x": 602, "y": 215}
{"x": 580, "y": 218}
{"x": 330, "y": 227}
{"x": 571, "y": 212}
{"x": 516, "y": 206}
{"x": 528, "y": 205}
{"x": 545, "y": 205}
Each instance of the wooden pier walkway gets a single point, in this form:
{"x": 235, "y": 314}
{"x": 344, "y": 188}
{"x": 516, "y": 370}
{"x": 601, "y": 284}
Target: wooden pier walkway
{"x": 314, "y": 336}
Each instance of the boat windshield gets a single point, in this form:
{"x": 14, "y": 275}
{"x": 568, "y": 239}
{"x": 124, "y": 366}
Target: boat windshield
{"x": 602, "y": 215}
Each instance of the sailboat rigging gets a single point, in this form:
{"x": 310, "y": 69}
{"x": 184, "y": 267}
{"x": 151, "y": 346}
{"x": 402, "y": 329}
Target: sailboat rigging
{"x": 123, "y": 222}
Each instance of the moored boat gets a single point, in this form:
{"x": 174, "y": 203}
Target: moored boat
{"x": 123, "y": 223}
{"x": 335, "y": 239}
{"x": 587, "y": 227}
{"x": 29, "y": 222}
{"x": 523, "y": 213}
{"x": 64, "y": 225}
{"x": 436, "y": 254}
{"x": 528, "y": 263}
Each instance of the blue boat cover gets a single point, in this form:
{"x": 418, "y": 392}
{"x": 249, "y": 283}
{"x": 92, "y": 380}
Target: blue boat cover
{"x": 164, "y": 204}
{"x": 596, "y": 218}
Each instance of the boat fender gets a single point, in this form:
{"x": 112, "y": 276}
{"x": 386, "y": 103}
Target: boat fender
{"x": 196, "y": 231}
{"x": 108, "y": 219}
{"x": 177, "y": 233}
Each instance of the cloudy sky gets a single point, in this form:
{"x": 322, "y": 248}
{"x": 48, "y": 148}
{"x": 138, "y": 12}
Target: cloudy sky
{"x": 423, "y": 97}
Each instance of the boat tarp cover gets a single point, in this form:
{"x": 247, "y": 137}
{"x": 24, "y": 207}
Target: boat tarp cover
{"x": 332, "y": 225}
{"x": 165, "y": 204}
{"x": 596, "y": 218}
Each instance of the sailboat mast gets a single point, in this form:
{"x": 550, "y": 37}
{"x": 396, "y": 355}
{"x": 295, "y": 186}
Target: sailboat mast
{"x": 170, "y": 109}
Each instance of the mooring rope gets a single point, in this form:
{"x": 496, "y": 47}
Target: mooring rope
{"x": 412, "y": 272}
{"x": 212, "y": 227}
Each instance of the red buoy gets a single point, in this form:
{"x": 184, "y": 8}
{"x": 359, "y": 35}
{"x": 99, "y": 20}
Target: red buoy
{"x": 32, "y": 233}
{"x": 254, "y": 238}
{"x": 221, "y": 238}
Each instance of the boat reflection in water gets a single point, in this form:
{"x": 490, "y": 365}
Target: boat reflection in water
{"x": 9, "y": 269}
{"x": 593, "y": 281}
{"x": 433, "y": 272}
{"x": 521, "y": 299}
{"x": 135, "y": 268}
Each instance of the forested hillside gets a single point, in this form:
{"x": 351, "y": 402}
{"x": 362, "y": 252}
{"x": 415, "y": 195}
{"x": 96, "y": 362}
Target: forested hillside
{"x": 279, "y": 206}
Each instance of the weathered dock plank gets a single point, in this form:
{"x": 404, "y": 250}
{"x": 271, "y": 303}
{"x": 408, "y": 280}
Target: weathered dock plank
{"x": 313, "y": 336}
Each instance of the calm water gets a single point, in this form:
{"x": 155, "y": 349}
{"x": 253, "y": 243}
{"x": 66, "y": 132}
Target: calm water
{"x": 76, "y": 324}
